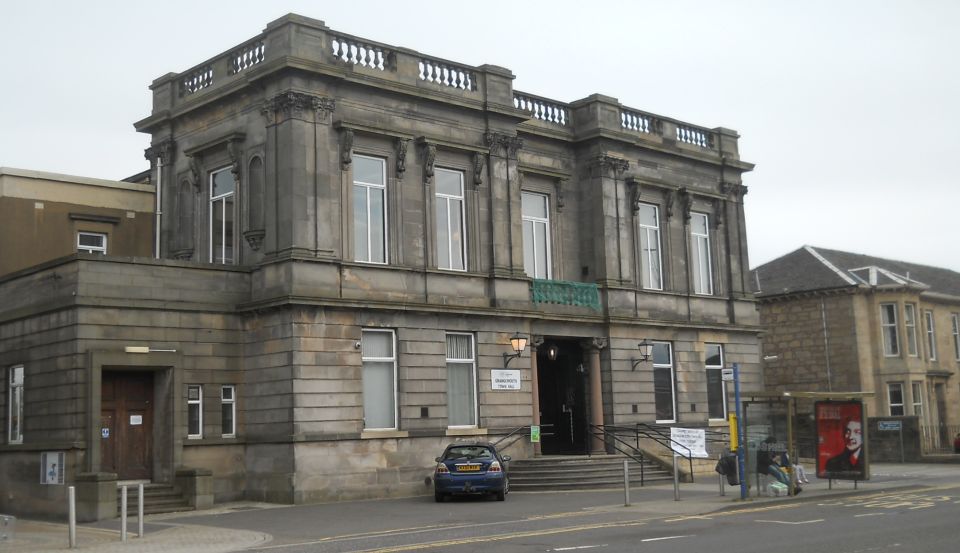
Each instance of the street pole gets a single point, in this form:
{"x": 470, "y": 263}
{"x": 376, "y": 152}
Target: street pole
{"x": 740, "y": 435}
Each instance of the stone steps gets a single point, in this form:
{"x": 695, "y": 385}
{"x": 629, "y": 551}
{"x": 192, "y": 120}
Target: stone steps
{"x": 157, "y": 498}
{"x": 577, "y": 473}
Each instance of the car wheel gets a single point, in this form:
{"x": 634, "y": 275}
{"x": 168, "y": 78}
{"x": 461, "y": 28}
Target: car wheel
{"x": 438, "y": 497}
{"x": 506, "y": 486}
{"x": 501, "y": 495}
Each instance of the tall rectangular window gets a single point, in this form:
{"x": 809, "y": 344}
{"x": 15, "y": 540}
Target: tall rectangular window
{"x": 931, "y": 335}
{"x": 910, "y": 321}
{"x": 222, "y": 195}
{"x": 194, "y": 411}
{"x": 916, "y": 389}
{"x": 536, "y": 234}
{"x": 92, "y": 242}
{"x": 888, "y": 326}
{"x": 379, "y": 380}
{"x": 15, "y": 405}
{"x": 451, "y": 224}
{"x": 664, "y": 392}
{"x": 955, "y": 319}
{"x": 228, "y": 411}
{"x": 700, "y": 254}
{"x": 716, "y": 391}
{"x": 651, "y": 273}
{"x": 895, "y": 398}
{"x": 461, "y": 381}
{"x": 369, "y": 209}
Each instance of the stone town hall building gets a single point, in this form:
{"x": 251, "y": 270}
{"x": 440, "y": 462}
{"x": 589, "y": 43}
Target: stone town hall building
{"x": 351, "y": 233}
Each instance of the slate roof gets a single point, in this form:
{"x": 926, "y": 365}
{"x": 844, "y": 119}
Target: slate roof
{"x": 810, "y": 268}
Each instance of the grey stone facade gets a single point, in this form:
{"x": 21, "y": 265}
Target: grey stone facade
{"x": 289, "y": 113}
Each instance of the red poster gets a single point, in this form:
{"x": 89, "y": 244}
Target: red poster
{"x": 841, "y": 440}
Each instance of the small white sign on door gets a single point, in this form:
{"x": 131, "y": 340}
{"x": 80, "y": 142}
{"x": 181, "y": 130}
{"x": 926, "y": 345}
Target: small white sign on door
{"x": 136, "y": 420}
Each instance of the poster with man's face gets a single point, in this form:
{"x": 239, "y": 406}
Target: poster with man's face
{"x": 841, "y": 448}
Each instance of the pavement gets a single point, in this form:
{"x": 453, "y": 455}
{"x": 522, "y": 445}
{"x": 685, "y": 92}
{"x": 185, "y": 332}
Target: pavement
{"x": 203, "y": 532}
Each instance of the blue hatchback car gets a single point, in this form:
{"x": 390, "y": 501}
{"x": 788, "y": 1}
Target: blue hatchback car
{"x": 471, "y": 468}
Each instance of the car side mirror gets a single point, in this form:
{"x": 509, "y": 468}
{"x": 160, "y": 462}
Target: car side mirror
{"x": 506, "y": 458}
{"x": 437, "y": 459}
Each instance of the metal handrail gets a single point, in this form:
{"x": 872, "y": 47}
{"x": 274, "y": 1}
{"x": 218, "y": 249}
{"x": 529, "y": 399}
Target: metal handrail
{"x": 518, "y": 429}
{"x": 656, "y": 435}
{"x": 602, "y": 431}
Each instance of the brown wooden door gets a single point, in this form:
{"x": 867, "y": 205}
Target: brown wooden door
{"x": 126, "y": 424}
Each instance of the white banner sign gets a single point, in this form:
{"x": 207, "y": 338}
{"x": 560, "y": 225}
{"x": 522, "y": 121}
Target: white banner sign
{"x": 504, "y": 379}
{"x": 693, "y": 438}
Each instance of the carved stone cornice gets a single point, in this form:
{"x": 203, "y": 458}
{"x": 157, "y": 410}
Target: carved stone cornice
{"x": 610, "y": 166}
{"x": 536, "y": 341}
{"x": 503, "y": 145}
{"x": 165, "y": 150}
{"x": 196, "y": 171}
{"x": 402, "y": 145}
{"x": 293, "y": 104}
{"x": 236, "y": 160}
{"x": 185, "y": 254}
{"x": 669, "y": 201}
{"x": 686, "y": 203}
{"x": 719, "y": 210}
{"x": 560, "y": 183}
{"x": 346, "y": 148}
{"x": 429, "y": 159}
{"x": 634, "y": 187}
{"x": 255, "y": 238}
{"x": 478, "y": 160}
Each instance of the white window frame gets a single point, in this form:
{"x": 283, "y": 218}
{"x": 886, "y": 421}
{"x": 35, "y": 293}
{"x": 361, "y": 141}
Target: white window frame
{"x": 15, "y": 379}
{"x": 448, "y": 201}
{"x": 393, "y": 360}
{"x": 673, "y": 384}
{"x": 916, "y": 396}
{"x": 198, "y": 403}
{"x": 102, "y": 249}
{"x": 718, "y": 374}
{"x": 232, "y": 403}
{"x": 910, "y": 322}
{"x": 700, "y": 250}
{"x": 472, "y": 360}
{"x": 890, "y": 348}
{"x": 220, "y": 202}
{"x": 380, "y": 188}
{"x": 648, "y": 261}
{"x": 931, "y": 335}
{"x": 533, "y": 223}
{"x": 955, "y": 318}
{"x": 891, "y": 386}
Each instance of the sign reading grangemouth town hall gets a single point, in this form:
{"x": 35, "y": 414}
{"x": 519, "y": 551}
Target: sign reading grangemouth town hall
{"x": 841, "y": 441}
{"x": 504, "y": 379}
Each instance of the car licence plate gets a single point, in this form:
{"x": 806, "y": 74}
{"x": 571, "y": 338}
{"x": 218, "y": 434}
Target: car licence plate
{"x": 468, "y": 468}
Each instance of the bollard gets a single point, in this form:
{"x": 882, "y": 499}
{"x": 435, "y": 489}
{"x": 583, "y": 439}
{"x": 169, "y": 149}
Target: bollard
{"x": 123, "y": 513}
{"x": 626, "y": 483}
{"x": 676, "y": 479}
{"x": 72, "y": 516}
{"x": 140, "y": 510}
{"x": 8, "y": 525}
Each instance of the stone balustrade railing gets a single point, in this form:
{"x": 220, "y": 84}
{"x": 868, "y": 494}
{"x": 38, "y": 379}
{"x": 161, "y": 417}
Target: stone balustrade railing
{"x": 542, "y": 109}
{"x": 298, "y": 40}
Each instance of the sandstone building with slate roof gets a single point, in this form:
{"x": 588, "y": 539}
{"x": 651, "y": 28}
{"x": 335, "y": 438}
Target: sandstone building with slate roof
{"x": 845, "y": 322}
{"x": 351, "y": 234}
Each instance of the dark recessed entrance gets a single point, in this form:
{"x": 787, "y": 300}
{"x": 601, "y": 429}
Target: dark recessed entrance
{"x": 563, "y": 399}
{"x": 126, "y": 424}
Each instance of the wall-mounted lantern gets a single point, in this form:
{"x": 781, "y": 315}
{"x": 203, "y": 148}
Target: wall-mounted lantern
{"x": 552, "y": 351}
{"x": 646, "y": 352}
{"x": 518, "y": 343}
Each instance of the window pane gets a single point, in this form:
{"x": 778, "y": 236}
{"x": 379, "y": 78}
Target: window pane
{"x": 896, "y": 393}
{"x": 698, "y": 223}
{"x": 449, "y": 182}
{"x": 715, "y": 400}
{"x": 368, "y": 170}
{"x": 661, "y": 354}
{"x": 216, "y": 230}
{"x": 663, "y": 392}
{"x": 540, "y": 241}
{"x": 529, "y": 266}
{"x": 377, "y": 344}
{"x": 460, "y": 394}
{"x": 221, "y": 183}
{"x": 647, "y": 216}
{"x": 377, "y": 226}
{"x": 227, "y": 230}
{"x": 193, "y": 419}
{"x": 650, "y": 258}
{"x": 456, "y": 235}
{"x": 226, "y": 419}
{"x": 378, "y": 394}
{"x": 443, "y": 234}
{"x": 534, "y": 205}
{"x": 910, "y": 321}
{"x": 714, "y": 357}
{"x": 360, "y": 226}
{"x": 89, "y": 240}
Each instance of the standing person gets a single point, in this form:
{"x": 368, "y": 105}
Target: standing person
{"x": 851, "y": 459}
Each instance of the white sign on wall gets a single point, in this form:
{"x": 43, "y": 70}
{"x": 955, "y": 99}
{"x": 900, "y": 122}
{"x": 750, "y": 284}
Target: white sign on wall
{"x": 136, "y": 420}
{"x": 504, "y": 379}
{"x": 51, "y": 466}
{"x": 693, "y": 438}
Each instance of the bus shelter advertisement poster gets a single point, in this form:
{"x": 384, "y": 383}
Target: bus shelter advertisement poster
{"x": 841, "y": 448}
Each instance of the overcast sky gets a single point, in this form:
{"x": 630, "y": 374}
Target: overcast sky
{"x": 849, "y": 109}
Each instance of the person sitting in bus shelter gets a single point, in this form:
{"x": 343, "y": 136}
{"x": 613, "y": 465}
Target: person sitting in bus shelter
{"x": 767, "y": 462}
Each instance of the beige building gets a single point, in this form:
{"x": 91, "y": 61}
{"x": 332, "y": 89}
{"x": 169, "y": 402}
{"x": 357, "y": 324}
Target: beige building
{"x": 843, "y": 322}
{"x": 44, "y": 216}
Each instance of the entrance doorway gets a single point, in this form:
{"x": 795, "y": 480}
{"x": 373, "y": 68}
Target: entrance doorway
{"x": 563, "y": 398}
{"x": 126, "y": 424}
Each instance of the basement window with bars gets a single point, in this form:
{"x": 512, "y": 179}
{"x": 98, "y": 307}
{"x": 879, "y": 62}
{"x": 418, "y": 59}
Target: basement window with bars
{"x": 92, "y": 242}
